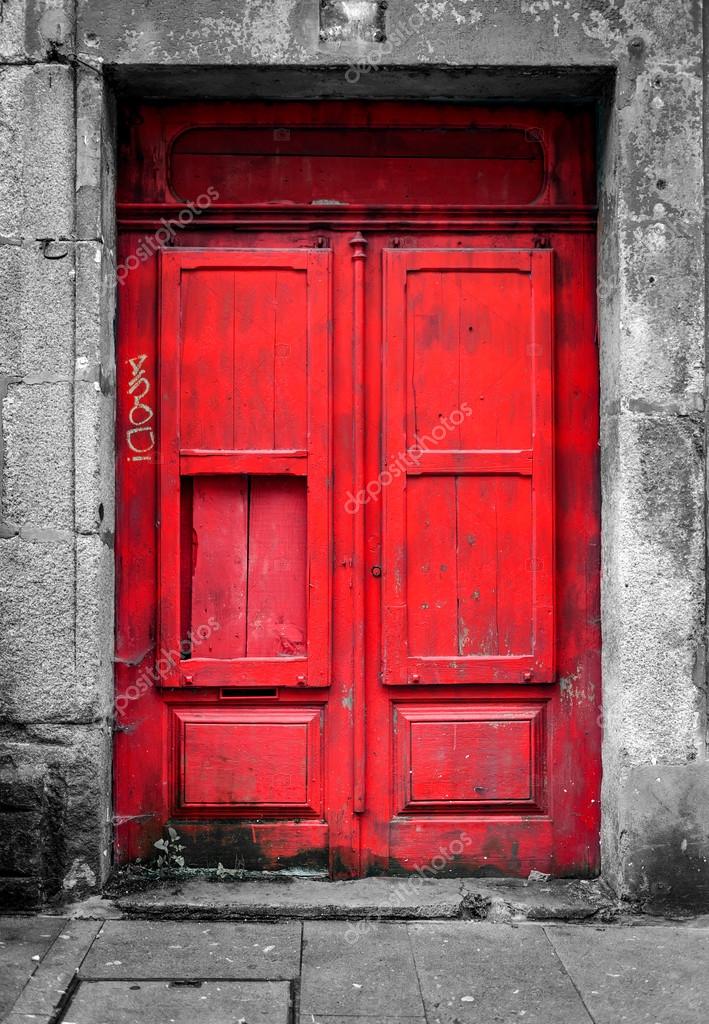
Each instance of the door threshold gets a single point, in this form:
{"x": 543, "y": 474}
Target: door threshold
{"x": 369, "y": 900}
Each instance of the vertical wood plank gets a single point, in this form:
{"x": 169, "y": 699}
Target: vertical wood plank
{"x": 431, "y": 565}
{"x": 220, "y": 523}
{"x": 276, "y": 618}
{"x": 254, "y": 330}
{"x": 206, "y": 358}
{"x": 290, "y": 360}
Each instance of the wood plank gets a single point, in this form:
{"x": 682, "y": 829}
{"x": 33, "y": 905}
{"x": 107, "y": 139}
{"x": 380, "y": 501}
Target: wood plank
{"x": 276, "y": 617}
{"x": 199, "y": 463}
{"x": 206, "y": 358}
{"x": 254, "y": 332}
{"x": 219, "y": 522}
{"x": 431, "y": 545}
{"x": 290, "y": 361}
{"x": 478, "y": 582}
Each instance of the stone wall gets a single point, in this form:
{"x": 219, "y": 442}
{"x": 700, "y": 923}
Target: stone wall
{"x": 644, "y": 60}
{"x": 56, "y": 531}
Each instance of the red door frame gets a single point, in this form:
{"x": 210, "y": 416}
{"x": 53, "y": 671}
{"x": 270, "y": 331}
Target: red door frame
{"x": 561, "y": 834}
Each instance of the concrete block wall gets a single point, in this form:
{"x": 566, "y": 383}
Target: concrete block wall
{"x": 56, "y": 409}
{"x": 56, "y": 167}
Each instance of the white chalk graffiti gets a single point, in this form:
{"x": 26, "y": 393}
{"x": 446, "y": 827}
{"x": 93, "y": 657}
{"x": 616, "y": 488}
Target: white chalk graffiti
{"x": 140, "y": 436}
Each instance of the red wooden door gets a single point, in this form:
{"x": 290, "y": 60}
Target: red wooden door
{"x": 365, "y": 585}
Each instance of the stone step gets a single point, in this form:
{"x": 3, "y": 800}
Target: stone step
{"x": 381, "y": 898}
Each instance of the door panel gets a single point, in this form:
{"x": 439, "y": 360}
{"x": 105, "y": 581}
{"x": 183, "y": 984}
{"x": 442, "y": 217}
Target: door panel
{"x": 245, "y": 521}
{"x": 468, "y": 507}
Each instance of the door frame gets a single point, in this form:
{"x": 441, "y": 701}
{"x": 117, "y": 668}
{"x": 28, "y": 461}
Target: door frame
{"x": 538, "y": 223}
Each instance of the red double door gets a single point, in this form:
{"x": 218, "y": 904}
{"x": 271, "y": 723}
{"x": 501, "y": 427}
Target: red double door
{"x": 375, "y": 531}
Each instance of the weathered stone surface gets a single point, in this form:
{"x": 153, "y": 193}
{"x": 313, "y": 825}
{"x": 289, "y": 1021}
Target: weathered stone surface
{"x": 94, "y": 620}
{"x": 653, "y": 584}
{"x": 428, "y": 33}
{"x": 12, "y": 36}
{"x": 479, "y": 973}
{"x": 37, "y": 431}
{"x": 95, "y": 390}
{"x": 37, "y": 641}
{"x": 507, "y": 899}
{"x": 49, "y": 29}
{"x": 36, "y": 311}
{"x": 95, "y": 159}
{"x": 37, "y": 151}
{"x": 664, "y": 823}
{"x": 47, "y": 986}
{"x": 637, "y": 974}
{"x": 75, "y": 764}
{"x": 365, "y": 899}
{"x": 21, "y": 939}
{"x": 223, "y": 1002}
{"x": 358, "y": 977}
{"x": 138, "y": 949}
{"x": 660, "y": 238}
{"x": 93, "y": 436}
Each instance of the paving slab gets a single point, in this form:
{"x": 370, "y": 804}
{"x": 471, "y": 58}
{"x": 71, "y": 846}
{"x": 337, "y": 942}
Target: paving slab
{"x": 368, "y": 977}
{"x": 23, "y": 943}
{"x": 213, "y": 1002}
{"x": 474, "y": 972}
{"x": 384, "y": 898}
{"x": 47, "y": 987}
{"x": 194, "y": 950}
{"x": 640, "y": 975}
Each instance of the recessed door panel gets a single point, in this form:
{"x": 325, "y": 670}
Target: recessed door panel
{"x": 468, "y": 435}
{"x": 245, "y": 341}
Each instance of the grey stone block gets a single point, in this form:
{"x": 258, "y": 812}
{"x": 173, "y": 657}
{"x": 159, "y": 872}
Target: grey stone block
{"x": 37, "y": 433}
{"x": 12, "y": 36}
{"x": 49, "y": 31}
{"x": 37, "y": 639}
{"x": 21, "y": 837}
{"x": 93, "y": 458}
{"x": 75, "y": 763}
{"x": 95, "y": 159}
{"x": 664, "y": 825}
{"x": 36, "y": 310}
{"x": 653, "y": 588}
{"x": 37, "y": 146}
{"x": 94, "y": 620}
{"x": 94, "y": 311}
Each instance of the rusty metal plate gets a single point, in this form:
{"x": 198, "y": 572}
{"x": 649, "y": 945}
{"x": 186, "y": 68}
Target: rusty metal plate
{"x": 359, "y": 21}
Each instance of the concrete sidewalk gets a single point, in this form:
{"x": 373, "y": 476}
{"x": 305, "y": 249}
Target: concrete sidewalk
{"x": 340, "y": 972}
